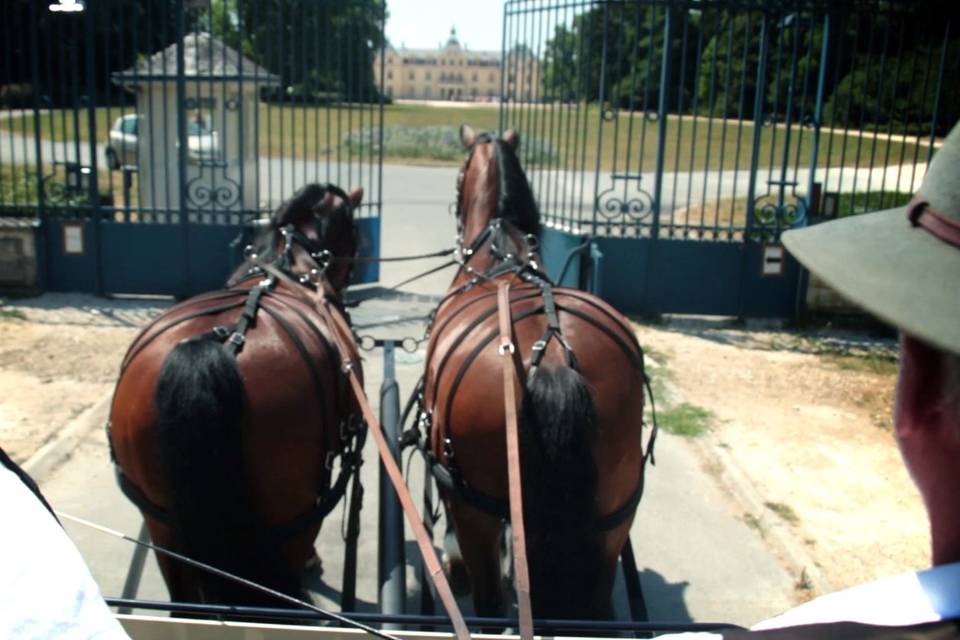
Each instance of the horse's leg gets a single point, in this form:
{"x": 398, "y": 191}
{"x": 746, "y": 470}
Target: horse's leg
{"x": 479, "y": 536}
{"x": 176, "y": 575}
{"x": 453, "y": 564}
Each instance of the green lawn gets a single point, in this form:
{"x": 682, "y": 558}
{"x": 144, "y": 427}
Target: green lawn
{"x": 572, "y": 133}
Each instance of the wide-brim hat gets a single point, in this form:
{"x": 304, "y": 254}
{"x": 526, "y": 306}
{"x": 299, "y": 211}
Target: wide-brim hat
{"x": 903, "y": 264}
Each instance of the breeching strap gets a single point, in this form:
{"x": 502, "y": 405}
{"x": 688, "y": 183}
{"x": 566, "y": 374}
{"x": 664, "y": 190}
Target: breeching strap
{"x": 507, "y": 352}
{"x": 341, "y": 333}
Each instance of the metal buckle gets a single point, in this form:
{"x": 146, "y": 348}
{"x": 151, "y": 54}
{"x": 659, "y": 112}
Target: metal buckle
{"x": 506, "y": 348}
{"x": 236, "y": 339}
{"x": 221, "y": 332}
{"x": 539, "y": 345}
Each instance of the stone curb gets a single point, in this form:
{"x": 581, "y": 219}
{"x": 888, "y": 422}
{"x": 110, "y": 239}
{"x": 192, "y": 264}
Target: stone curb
{"x": 776, "y": 533}
{"x": 52, "y": 454}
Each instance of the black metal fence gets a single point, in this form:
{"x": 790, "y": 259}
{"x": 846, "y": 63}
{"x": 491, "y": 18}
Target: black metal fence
{"x": 681, "y": 137}
{"x": 752, "y": 117}
{"x": 153, "y": 133}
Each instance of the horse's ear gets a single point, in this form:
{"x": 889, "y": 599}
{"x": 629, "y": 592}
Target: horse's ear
{"x": 512, "y": 138}
{"x": 467, "y": 136}
{"x": 355, "y": 197}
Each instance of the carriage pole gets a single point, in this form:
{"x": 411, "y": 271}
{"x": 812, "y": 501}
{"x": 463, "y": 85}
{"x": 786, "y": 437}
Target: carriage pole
{"x": 391, "y": 566}
{"x": 132, "y": 584}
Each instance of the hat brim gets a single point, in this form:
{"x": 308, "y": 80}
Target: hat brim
{"x": 900, "y": 273}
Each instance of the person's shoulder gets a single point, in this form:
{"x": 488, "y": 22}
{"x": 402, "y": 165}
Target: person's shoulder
{"x": 906, "y": 599}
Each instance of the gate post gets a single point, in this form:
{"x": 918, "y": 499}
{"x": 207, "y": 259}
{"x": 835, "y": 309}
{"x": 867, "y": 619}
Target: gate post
{"x": 757, "y": 122}
{"x": 182, "y": 144}
{"x": 94, "y": 190}
{"x": 391, "y": 573}
{"x": 663, "y": 105}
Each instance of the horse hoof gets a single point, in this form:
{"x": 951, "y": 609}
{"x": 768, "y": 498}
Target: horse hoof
{"x": 456, "y": 570}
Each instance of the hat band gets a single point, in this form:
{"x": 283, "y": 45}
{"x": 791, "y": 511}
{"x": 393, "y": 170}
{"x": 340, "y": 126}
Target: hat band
{"x": 921, "y": 214}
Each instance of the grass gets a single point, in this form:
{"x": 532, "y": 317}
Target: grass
{"x": 784, "y": 511}
{"x": 577, "y": 131}
{"x": 730, "y": 213}
{"x": 12, "y": 314}
{"x": 685, "y": 419}
{"x": 18, "y": 189}
{"x": 754, "y": 523}
{"x": 853, "y": 203}
{"x": 869, "y": 363}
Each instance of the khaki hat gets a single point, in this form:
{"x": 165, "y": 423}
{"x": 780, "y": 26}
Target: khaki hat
{"x": 903, "y": 264}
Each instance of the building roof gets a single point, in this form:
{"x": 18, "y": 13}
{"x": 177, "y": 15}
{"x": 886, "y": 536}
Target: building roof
{"x": 205, "y": 57}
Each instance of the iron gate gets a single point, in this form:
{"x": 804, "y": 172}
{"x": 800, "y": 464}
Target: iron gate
{"x": 683, "y": 162}
{"x": 151, "y": 137}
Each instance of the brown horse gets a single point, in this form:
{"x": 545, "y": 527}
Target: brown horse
{"x": 581, "y": 417}
{"x": 231, "y": 409}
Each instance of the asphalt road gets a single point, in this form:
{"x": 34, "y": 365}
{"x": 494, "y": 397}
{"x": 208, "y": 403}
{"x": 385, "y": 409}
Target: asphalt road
{"x": 699, "y": 560}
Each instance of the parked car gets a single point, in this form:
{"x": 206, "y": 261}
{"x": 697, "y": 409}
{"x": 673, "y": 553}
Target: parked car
{"x": 202, "y": 144}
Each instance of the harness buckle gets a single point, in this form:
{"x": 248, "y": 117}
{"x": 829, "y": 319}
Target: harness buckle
{"x": 506, "y": 348}
{"x": 540, "y": 345}
{"x": 236, "y": 339}
{"x": 347, "y": 366}
{"x": 221, "y": 332}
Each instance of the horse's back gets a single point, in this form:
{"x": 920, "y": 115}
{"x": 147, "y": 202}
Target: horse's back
{"x": 464, "y": 381}
{"x": 289, "y": 372}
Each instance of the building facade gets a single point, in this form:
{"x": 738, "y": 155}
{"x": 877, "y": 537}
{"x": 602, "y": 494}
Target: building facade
{"x": 453, "y": 72}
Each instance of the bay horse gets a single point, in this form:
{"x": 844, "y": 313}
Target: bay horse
{"x": 231, "y": 410}
{"x": 580, "y": 417}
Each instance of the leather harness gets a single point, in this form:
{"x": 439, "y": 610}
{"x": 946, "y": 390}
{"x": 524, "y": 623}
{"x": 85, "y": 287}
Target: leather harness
{"x": 351, "y": 434}
{"x": 444, "y": 468}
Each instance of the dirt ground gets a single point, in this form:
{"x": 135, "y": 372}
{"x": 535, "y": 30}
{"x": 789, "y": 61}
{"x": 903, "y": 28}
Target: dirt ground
{"x": 804, "y": 415}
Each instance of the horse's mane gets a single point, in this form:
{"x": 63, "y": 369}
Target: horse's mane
{"x": 515, "y": 201}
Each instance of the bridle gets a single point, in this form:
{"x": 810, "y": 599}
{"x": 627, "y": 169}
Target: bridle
{"x": 317, "y": 251}
{"x": 509, "y": 261}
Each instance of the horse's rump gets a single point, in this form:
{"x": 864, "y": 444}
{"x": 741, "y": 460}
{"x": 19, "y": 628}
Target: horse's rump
{"x": 266, "y": 422}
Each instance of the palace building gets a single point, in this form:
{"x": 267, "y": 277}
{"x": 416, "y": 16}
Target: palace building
{"x": 453, "y": 72}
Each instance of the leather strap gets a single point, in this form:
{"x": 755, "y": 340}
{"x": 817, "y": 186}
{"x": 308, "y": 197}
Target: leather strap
{"x": 341, "y": 334}
{"x": 921, "y": 214}
{"x": 507, "y": 353}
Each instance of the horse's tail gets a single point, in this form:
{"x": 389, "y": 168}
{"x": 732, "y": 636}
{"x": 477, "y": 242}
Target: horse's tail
{"x": 559, "y": 494}
{"x": 200, "y": 401}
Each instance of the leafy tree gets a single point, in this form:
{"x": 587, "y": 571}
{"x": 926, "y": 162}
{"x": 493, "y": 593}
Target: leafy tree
{"x": 320, "y": 50}
{"x": 617, "y": 48}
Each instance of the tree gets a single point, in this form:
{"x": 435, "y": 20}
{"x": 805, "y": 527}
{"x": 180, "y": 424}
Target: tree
{"x": 320, "y": 50}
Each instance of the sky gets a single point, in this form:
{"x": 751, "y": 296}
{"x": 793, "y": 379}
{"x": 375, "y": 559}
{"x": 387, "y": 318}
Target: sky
{"x": 426, "y": 23}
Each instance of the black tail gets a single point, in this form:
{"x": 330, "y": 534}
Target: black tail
{"x": 200, "y": 401}
{"x": 559, "y": 496}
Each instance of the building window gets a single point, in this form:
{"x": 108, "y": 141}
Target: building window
{"x": 474, "y": 77}
{"x": 491, "y": 77}
{"x": 412, "y": 76}
{"x": 389, "y": 60}
{"x": 389, "y": 75}
{"x": 428, "y": 75}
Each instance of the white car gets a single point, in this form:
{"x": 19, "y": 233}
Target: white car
{"x": 202, "y": 144}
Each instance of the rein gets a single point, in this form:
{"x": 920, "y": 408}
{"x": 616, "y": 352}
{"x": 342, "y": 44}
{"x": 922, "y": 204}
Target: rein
{"x": 511, "y": 368}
